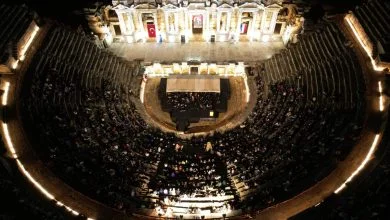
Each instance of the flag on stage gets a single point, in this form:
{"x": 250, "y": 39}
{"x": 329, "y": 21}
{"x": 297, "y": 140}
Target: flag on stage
{"x": 151, "y": 30}
{"x": 243, "y": 28}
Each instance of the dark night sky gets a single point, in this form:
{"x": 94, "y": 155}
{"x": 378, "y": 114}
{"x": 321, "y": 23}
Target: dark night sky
{"x": 63, "y": 10}
{"x": 70, "y": 5}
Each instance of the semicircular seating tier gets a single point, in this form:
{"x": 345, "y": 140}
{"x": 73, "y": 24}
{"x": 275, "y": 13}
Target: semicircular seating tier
{"x": 373, "y": 17}
{"x": 80, "y": 110}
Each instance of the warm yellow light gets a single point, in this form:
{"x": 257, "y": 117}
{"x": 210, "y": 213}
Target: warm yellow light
{"x": 15, "y": 64}
{"x": 10, "y": 147}
{"x": 74, "y": 212}
{"x": 248, "y": 94}
{"x": 5, "y": 95}
{"x": 381, "y": 104}
{"x": 5, "y": 127}
{"x": 32, "y": 180}
{"x": 28, "y": 44}
{"x": 8, "y": 141}
{"x": 376, "y": 68}
{"x": 142, "y": 92}
{"x": 362, "y": 165}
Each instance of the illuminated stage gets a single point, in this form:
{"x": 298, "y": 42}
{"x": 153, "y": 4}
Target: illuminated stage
{"x": 233, "y": 77}
{"x": 200, "y": 77}
{"x": 196, "y": 90}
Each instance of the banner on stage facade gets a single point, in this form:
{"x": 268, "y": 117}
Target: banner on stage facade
{"x": 151, "y": 30}
{"x": 197, "y": 21}
{"x": 244, "y": 28}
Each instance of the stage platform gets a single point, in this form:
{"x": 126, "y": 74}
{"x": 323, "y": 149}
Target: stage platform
{"x": 194, "y": 84}
{"x": 201, "y": 51}
{"x": 235, "y": 108}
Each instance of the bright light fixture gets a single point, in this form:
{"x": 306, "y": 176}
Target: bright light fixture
{"x": 359, "y": 38}
{"x": 362, "y": 165}
{"x": 10, "y": 147}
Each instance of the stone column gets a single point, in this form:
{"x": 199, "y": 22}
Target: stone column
{"x": 155, "y": 22}
{"x": 254, "y": 17}
{"x": 206, "y": 19}
{"x": 166, "y": 21}
{"x": 186, "y": 15}
{"x": 214, "y": 19}
{"x": 140, "y": 23}
{"x": 224, "y": 23}
{"x": 143, "y": 34}
{"x": 130, "y": 21}
{"x": 273, "y": 22}
{"x": 190, "y": 23}
{"x": 122, "y": 23}
{"x": 228, "y": 21}
{"x": 219, "y": 21}
{"x": 238, "y": 24}
{"x": 263, "y": 20}
{"x": 176, "y": 15}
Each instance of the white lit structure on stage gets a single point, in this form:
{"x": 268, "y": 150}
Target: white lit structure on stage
{"x": 202, "y": 69}
{"x": 199, "y": 20}
{"x": 184, "y": 68}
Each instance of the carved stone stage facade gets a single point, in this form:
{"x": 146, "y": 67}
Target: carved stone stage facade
{"x": 199, "y": 20}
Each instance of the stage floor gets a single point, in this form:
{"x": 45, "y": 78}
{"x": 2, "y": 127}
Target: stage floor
{"x": 236, "y": 106}
{"x": 199, "y": 51}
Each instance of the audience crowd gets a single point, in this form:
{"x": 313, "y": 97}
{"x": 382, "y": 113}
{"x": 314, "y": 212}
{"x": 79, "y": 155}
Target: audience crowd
{"x": 183, "y": 101}
{"x": 80, "y": 108}
{"x": 18, "y": 201}
{"x": 91, "y": 135}
{"x": 364, "y": 198}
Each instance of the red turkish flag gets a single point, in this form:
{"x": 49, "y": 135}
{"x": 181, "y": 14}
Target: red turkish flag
{"x": 151, "y": 30}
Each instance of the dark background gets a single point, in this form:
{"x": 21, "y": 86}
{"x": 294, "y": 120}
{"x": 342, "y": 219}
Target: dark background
{"x": 68, "y": 11}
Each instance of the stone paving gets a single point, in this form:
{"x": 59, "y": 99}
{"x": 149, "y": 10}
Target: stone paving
{"x": 199, "y": 51}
